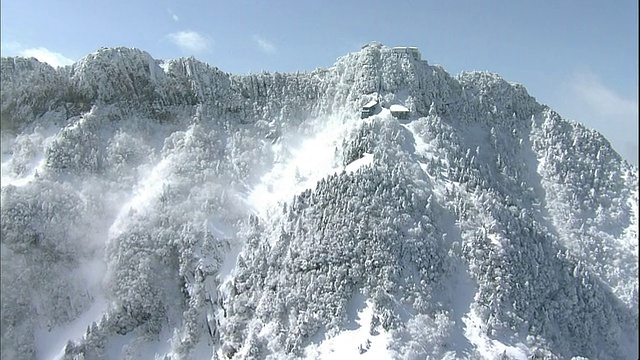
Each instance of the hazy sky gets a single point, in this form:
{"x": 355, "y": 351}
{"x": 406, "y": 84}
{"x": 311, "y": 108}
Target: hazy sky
{"x": 578, "y": 57}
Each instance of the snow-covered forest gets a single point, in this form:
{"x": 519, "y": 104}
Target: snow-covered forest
{"x": 168, "y": 210}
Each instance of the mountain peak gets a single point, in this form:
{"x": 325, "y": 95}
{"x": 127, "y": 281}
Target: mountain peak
{"x": 173, "y": 210}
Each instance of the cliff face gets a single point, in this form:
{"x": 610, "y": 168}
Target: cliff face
{"x": 166, "y": 207}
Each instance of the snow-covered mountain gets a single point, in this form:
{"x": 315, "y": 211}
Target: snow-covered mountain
{"x": 168, "y": 210}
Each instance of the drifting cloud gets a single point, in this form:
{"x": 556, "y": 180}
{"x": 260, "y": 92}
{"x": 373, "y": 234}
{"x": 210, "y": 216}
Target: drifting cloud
{"x": 14, "y": 48}
{"x": 596, "y": 105}
{"x": 190, "y": 41}
{"x": 264, "y": 45}
{"x": 601, "y": 99}
{"x": 173, "y": 15}
{"x": 45, "y": 55}
{"x": 10, "y": 46}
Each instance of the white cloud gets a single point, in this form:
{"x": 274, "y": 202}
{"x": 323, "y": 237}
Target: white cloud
{"x": 589, "y": 100}
{"x": 173, "y": 15}
{"x": 604, "y": 101}
{"x": 264, "y": 45}
{"x": 190, "y": 41}
{"x": 10, "y": 46}
{"x": 45, "y": 55}
{"x": 15, "y": 48}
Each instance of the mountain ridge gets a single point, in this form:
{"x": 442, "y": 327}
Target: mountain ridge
{"x": 535, "y": 216}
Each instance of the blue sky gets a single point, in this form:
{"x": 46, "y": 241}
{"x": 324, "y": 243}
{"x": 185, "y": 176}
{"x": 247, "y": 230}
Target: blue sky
{"x": 578, "y": 57}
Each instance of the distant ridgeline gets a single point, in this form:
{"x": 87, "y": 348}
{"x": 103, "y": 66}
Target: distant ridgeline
{"x": 168, "y": 209}
{"x": 160, "y": 88}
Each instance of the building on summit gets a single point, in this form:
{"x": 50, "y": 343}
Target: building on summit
{"x": 410, "y": 51}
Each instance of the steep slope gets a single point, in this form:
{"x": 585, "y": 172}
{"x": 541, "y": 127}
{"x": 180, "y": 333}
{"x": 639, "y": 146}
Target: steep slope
{"x": 167, "y": 209}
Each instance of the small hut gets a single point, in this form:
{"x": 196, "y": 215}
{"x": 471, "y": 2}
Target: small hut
{"x": 399, "y": 111}
{"x": 369, "y": 109}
